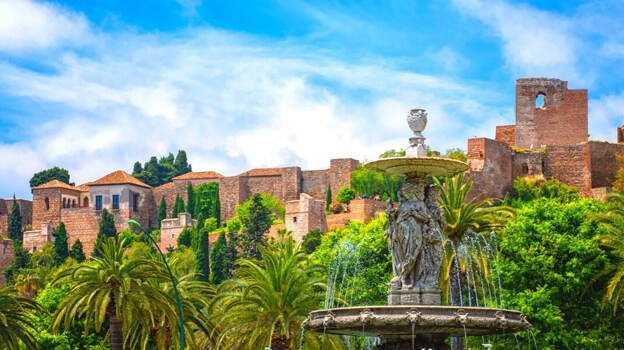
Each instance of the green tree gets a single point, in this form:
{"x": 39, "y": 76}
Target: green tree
{"x": 15, "y": 222}
{"x": 106, "y": 230}
{"x": 21, "y": 260}
{"x": 550, "y": 263}
{"x": 17, "y": 320}
{"x": 526, "y": 189}
{"x": 391, "y": 153}
{"x": 207, "y": 201}
{"x": 256, "y": 220}
{"x": 612, "y": 242}
{"x": 61, "y": 247}
{"x": 202, "y": 255}
{"x": 76, "y": 252}
{"x": 456, "y": 153}
{"x": 328, "y": 198}
{"x": 311, "y": 241}
{"x": 371, "y": 183}
{"x": 190, "y": 199}
{"x": 48, "y": 175}
{"x": 114, "y": 289}
{"x": 162, "y": 211}
{"x": 218, "y": 260}
{"x": 180, "y": 164}
{"x": 345, "y": 195}
{"x": 266, "y": 301}
{"x": 185, "y": 237}
{"x": 233, "y": 228}
{"x": 178, "y": 206}
{"x": 464, "y": 216}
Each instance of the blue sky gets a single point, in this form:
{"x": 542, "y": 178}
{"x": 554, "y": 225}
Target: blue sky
{"x": 93, "y": 86}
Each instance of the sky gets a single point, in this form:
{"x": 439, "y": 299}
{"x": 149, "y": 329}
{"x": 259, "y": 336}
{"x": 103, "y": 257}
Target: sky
{"x": 94, "y": 86}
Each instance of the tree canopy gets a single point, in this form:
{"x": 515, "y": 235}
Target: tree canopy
{"x": 48, "y": 175}
{"x": 157, "y": 172}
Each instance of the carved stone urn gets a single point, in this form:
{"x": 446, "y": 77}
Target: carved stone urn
{"x": 417, "y": 121}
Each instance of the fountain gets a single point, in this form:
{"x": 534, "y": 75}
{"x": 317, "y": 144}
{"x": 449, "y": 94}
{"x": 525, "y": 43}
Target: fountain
{"x": 414, "y": 318}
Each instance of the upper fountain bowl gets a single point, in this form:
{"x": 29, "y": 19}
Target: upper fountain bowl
{"x": 418, "y": 167}
{"x": 417, "y": 120}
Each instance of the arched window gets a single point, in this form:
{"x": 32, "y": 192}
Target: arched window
{"x": 64, "y": 202}
{"x": 46, "y": 202}
{"x": 73, "y": 203}
{"x": 540, "y": 100}
{"x": 525, "y": 169}
{"x": 85, "y": 202}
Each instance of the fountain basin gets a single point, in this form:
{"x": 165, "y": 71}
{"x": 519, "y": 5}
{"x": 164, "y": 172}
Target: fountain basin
{"x": 395, "y": 321}
{"x": 418, "y": 166}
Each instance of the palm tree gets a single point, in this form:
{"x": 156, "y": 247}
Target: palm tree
{"x": 17, "y": 320}
{"x": 613, "y": 243}
{"x": 112, "y": 288}
{"x": 464, "y": 217}
{"x": 266, "y": 302}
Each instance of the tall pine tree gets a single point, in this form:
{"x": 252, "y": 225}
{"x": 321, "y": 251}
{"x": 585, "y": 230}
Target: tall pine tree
{"x": 61, "y": 248}
{"x": 233, "y": 228}
{"x": 190, "y": 199}
{"x": 256, "y": 223}
{"x": 219, "y": 260}
{"x": 162, "y": 211}
{"x": 178, "y": 206}
{"x": 15, "y": 223}
{"x": 107, "y": 229}
{"x": 202, "y": 255}
{"x": 77, "y": 252}
{"x": 328, "y": 198}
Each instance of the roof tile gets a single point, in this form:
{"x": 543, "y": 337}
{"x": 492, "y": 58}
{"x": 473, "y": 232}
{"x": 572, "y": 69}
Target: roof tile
{"x": 119, "y": 177}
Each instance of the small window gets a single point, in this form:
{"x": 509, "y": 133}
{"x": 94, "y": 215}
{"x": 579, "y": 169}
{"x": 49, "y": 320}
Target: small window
{"x": 135, "y": 202}
{"x": 98, "y": 202}
{"x": 85, "y": 202}
{"x": 46, "y": 202}
{"x": 294, "y": 219}
{"x": 525, "y": 169}
{"x": 64, "y": 202}
{"x": 539, "y": 101}
{"x": 115, "y": 201}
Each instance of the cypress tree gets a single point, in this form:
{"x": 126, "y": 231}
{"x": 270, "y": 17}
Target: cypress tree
{"x": 190, "y": 199}
{"x": 77, "y": 252}
{"x": 202, "y": 255}
{"x": 328, "y": 198}
{"x": 178, "y": 206}
{"x": 186, "y": 237}
{"x": 232, "y": 252}
{"x": 61, "y": 248}
{"x": 219, "y": 260}
{"x": 162, "y": 211}
{"x": 256, "y": 224}
{"x": 107, "y": 229}
{"x": 15, "y": 222}
{"x": 21, "y": 259}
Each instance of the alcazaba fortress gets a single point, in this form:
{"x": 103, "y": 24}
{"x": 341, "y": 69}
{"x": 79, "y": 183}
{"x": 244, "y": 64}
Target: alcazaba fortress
{"x": 549, "y": 138}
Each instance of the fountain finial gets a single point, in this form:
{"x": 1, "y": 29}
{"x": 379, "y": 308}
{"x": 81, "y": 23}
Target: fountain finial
{"x": 417, "y": 121}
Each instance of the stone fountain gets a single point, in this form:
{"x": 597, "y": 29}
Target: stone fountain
{"x": 414, "y": 317}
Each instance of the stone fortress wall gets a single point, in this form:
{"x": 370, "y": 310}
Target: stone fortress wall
{"x": 549, "y": 139}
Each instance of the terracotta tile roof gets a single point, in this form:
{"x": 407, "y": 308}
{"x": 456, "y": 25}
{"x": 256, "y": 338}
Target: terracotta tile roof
{"x": 263, "y": 172}
{"x": 119, "y": 177}
{"x": 196, "y": 175}
{"x": 56, "y": 184}
{"x": 84, "y": 187}
{"x": 165, "y": 186}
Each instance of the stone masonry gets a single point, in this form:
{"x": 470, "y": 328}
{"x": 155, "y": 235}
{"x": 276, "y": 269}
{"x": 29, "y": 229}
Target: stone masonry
{"x": 549, "y": 139}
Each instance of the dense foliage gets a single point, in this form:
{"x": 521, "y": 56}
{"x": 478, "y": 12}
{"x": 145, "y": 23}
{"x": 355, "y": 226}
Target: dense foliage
{"x": 370, "y": 183}
{"x": 162, "y": 211}
{"x": 48, "y": 175}
{"x": 158, "y": 172}
{"x": 106, "y": 230}
{"x": 256, "y": 219}
{"x": 207, "y": 204}
{"x": 61, "y": 247}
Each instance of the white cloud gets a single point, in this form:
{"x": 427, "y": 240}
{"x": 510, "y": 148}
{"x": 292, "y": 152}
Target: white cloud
{"x": 606, "y": 114}
{"x": 28, "y": 25}
{"x": 535, "y": 42}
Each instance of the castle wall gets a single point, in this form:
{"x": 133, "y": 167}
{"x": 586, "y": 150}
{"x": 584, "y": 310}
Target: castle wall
{"x": 361, "y": 210}
{"x": 506, "y": 134}
{"x": 6, "y": 206}
{"x": 291, "y": 183}
{"x": 230, "y": 195}
{"x": 83, "y": 224}
{"x": 339, "y": 173}
{"x": 562, "y": 120}
{"x": 490, "y": 162}
{"x": 315, "y": 183}
{"x": 34, "y": 240}
{"x": 263, "y": 184}
{"x": 620, "y": 134}
{"x": 6, "y": 256}
{"x": 47, "y": 205}
{"x": 571, "y": 165}
{"x": 527, "y": 163}
{"x": 603, "y": 163}
{"x": 305, "y": 215}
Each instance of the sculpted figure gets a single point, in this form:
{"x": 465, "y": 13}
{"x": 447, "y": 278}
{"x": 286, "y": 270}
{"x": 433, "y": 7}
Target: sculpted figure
{"x": 405, "y": 232}
{"x": 430, "y": 261}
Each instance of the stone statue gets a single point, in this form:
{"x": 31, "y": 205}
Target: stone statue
{"x": 415, "y": 237}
